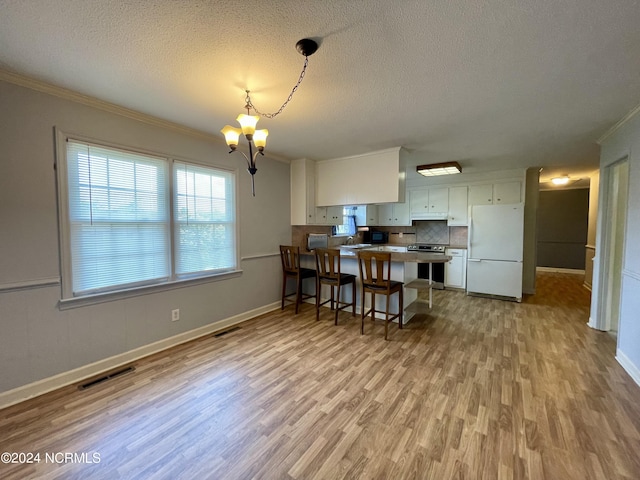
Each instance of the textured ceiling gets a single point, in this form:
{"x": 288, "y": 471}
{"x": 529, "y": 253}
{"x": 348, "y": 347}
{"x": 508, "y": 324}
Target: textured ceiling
{"x": 494, "y": 84}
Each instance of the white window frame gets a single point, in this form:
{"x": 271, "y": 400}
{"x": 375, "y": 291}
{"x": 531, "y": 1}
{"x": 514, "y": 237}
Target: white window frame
{"x": 68, "y": 300}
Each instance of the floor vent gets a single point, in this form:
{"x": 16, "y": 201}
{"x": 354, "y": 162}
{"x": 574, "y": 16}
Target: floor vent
{"x": 224, "y": 332}
{"x": 108, "y": 376}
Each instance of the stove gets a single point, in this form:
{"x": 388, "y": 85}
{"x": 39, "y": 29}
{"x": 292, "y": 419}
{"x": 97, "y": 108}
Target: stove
{"x": 427, "y": 248}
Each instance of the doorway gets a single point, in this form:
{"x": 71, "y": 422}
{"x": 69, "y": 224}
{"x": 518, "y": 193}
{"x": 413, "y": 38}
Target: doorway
{"x": 615, "y": 215}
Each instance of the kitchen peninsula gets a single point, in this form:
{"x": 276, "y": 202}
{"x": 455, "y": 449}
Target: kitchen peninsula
{"x": 404, "y": 268}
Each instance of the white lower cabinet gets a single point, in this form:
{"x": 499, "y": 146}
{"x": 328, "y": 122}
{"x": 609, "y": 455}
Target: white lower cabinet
{"x": 455, "y": 271}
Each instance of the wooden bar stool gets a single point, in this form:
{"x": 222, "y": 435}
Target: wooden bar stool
{"x": 290, "y": 256}
{"x": 375, "y": 275}
{"x": 328, "y": 273}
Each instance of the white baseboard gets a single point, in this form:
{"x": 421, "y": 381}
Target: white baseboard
{"x": 45, "y": 385}
{"x": 630, "y": 368}
{"x": 592, "y": 323}
{"x": 560, "y": 270}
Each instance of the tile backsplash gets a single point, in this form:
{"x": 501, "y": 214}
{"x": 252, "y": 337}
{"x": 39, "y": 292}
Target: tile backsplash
{"x": 434, "y": 232}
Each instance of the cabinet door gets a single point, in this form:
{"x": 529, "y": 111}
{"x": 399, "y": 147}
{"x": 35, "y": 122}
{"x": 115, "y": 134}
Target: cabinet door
{"x": 372, "y": 215}
{"x": 438, "y": 200}
{"x": 385, "y": 214}
{"x": 401, "y": 215}
{"x": 509, "y": 192}
{"x": 303, "y": 207}
{"x": 419, "y": 201}
{"x": 458, "y": 207}
{"x": 321, "y": 216}
{"x": 481, "y": 194}
{"x": 335, "y": 215}
{"x": 455, "y": 270}
{"x": 366, "y": 215}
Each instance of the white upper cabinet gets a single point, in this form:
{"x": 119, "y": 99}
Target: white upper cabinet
{"x": 497, "y": 193}
{"x": 303, "y": 205}
{"x": 508, "y": 192}
{"x": 429, "y": 203}
{"x": 438, "y": 200}
{"x": 377, "y": 177}
{"x": 458, "y": 207}
{"x": 393, "y": 214}
{"x": 481, "y": 194}
{"x": 366, "y": 215}
{"x": 329, "y": 215}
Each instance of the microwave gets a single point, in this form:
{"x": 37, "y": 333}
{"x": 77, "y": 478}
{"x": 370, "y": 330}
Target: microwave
{"x": 376, "y": 237}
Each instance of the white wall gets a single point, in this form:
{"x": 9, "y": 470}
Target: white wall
{"x": 37, "y": 339}
{"x": 623, "y": 142}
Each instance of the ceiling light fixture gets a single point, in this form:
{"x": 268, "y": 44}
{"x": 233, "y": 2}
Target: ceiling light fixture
{"x": 434, "y": 169}
{"x": 248, "y": 122}
{"x": 560, "y": 180}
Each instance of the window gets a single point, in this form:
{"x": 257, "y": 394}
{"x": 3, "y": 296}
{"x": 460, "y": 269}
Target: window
{"x": 121, "y": 229}
{"x": 204, "y": 216}
{"x": 348, "y": 226}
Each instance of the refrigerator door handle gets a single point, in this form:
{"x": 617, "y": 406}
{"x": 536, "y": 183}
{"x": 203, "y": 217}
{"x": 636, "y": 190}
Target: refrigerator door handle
{"x": 474, "y": 260}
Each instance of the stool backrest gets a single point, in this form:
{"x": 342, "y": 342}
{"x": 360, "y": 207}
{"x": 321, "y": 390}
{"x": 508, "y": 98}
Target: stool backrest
{"x": 328, "y": 263}
{"x": 290, "y": 256}
{"x": 375, "y": 268}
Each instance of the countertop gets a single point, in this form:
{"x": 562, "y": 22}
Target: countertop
{"x": 398, "y": 253}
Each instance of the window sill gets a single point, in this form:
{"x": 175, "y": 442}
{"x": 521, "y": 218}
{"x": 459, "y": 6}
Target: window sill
{"x": 87, "y": 300}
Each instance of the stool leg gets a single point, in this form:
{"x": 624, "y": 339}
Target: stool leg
{"x": 353, "y": 299}
{"x": 362, "y": 310}
{"x": 337, "y": 303}
{"x": 284, "y": 290}
{"x": 298, "y": 293}
{"x": 373, "y": 307}
{"x": 401, "y": 306}
{"x": 386, "y": 318}
{"x": 318, "y": 290}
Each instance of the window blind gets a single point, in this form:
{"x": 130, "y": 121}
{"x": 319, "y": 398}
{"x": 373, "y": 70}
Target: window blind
{"x": 204, "y": 220}
{"x": 119, "y": 218}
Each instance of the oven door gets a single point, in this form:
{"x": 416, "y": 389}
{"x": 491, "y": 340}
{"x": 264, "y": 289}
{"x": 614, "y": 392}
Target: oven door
{"x": 438, "y": 274}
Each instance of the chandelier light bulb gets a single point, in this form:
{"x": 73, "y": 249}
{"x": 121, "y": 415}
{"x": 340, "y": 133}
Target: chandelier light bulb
{"x": 248, "y": 124}
{"x": 260, "y": 138}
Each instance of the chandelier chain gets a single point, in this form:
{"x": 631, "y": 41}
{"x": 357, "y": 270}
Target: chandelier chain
{"x": 272, "y": 115}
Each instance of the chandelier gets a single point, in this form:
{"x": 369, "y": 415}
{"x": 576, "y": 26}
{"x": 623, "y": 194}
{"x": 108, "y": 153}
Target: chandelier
{"x": 258, "y": 138}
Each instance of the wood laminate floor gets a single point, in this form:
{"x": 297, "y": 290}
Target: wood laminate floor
{"x": 478, "y": 389}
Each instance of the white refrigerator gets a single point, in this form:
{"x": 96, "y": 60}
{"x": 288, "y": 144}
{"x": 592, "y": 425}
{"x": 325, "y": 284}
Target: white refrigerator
{"x": 494, "y": 255}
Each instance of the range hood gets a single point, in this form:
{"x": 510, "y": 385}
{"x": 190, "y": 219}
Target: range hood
{"x": 430, "y": 216}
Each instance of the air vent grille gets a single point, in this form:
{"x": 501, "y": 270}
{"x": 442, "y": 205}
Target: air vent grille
{"x": 108, "y": 376}
{"x": 224, "y": 332}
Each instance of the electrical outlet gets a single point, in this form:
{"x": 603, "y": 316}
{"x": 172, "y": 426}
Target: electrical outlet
{"x": 175, "y": 315}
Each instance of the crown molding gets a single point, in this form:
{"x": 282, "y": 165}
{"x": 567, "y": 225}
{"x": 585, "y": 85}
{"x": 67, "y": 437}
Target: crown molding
{"x": 66, "y": 94}
{"x": 619, "y": 125}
